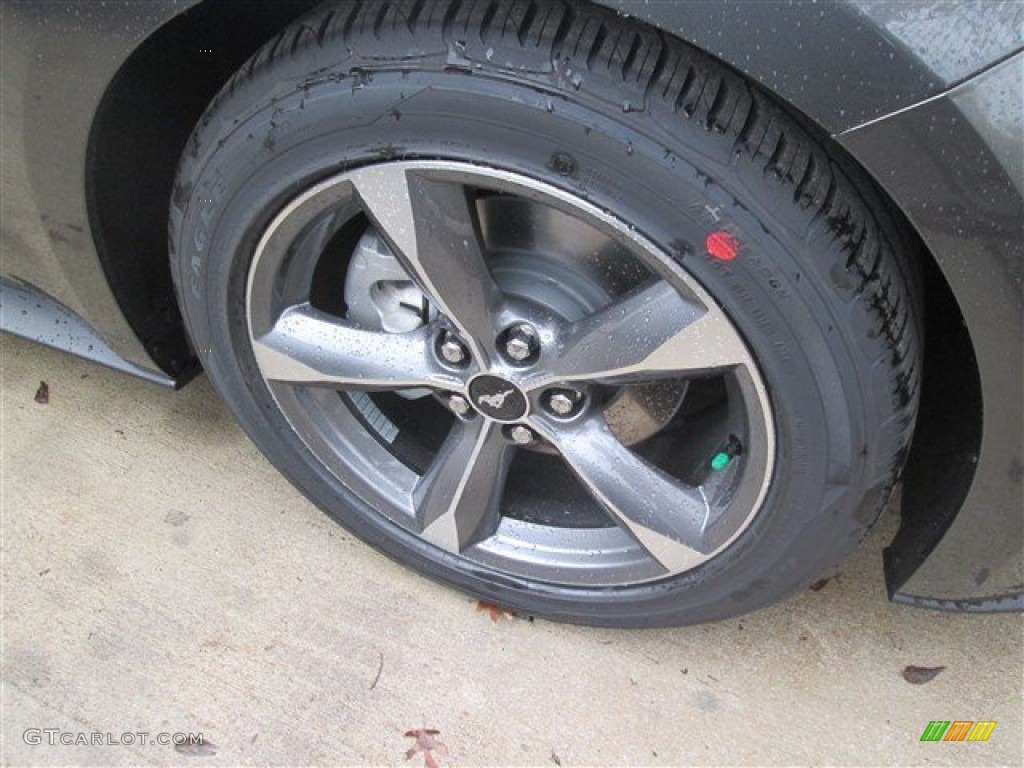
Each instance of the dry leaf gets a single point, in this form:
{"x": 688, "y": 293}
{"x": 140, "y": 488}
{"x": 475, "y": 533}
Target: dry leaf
{"x": 920, "y": 675}
{"x": 205, "y": 748}
{"x": 427, "y": 744}
{"x": 497, "y": 612}
{"x": 43, "y": 393}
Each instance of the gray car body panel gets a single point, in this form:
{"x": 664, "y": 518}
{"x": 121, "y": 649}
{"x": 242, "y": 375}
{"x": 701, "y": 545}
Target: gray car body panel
{"x": 33, "y": 314}
{"x": 58, "y": 59}
{"x": 871, "y": 74}
{"x": 963, "y": 196}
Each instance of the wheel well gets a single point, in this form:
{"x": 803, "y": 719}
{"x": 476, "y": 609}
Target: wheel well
{"x": 944, "y": 454}
{"x": 139, "y": 132}
{"x": 158, "y": 96}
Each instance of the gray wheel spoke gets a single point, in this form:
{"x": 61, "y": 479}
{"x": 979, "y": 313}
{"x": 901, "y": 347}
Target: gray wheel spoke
{"x": 652, "y": 333}
{"x": 306, "y": 346}
{"x": 667, "y": 517}
{"x": 431, "y": 226}
{"x": 457, "y": 500}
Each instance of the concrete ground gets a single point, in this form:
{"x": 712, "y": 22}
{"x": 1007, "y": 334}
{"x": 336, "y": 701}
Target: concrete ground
{"x": 159, "y": 576}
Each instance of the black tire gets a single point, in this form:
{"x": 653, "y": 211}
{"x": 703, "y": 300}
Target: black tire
{"x": 823, "y": 291}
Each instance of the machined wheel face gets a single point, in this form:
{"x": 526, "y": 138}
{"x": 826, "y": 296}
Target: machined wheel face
{"x": 556, "y": 399}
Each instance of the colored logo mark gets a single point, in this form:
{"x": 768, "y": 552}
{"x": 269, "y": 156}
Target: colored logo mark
{"x": 958, "y": 730}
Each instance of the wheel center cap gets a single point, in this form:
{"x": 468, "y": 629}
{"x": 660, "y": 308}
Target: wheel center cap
{"x": 497, "y": 398}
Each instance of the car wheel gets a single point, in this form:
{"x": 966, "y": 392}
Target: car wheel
{"x": 549, "y": 307}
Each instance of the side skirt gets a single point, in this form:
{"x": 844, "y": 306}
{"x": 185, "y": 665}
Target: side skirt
{"x": 28, "y": 312}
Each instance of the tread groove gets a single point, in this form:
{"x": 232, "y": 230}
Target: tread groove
{"x": 526, "y": 23}
{"x": 631, "y": 54}
{"x": 716, "y": 105}
{"x": 325, "y": 25}
{"x": 805, "y": 179}
{"x": 657, "y": 71}
{"x": 565, "y": 24}
{"x": 595, "y": 46}
{"x": 414, "y": 14}
{"x": 451, "y": 13}
{"x": 750, "y": 119}
{"x": 350, "y": 22}
{"x": 488, "y": 20}
{"x": 380, "y": 18}
{"x": 684, "y": 89}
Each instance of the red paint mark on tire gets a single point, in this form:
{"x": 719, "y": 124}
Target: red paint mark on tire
{"x": 722, "y": 245}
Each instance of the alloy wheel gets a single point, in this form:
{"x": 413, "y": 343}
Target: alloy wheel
{"x": 512, "y": 374}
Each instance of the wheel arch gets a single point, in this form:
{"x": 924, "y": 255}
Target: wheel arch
{"x": 147, "y": 114}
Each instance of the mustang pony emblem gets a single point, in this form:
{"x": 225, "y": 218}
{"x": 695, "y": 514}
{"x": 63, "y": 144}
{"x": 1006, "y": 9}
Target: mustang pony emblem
{"x": 497, "y": 400}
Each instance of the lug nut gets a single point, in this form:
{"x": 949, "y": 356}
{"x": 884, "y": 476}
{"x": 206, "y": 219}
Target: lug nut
{"x": 563, "y": 402}
{"x": 453, "y": 351}
{"x": 521, "y": 435}
{"x": 459, "y": 405}
{"x": 521, "y": 342}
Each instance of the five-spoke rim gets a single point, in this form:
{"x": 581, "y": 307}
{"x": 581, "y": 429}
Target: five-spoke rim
{"x": 516, "y": 376}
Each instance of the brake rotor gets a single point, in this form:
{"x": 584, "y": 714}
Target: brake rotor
{"x": 539, "y": 255}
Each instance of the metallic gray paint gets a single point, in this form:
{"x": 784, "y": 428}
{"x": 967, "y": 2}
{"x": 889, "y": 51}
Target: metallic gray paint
{"x": 32, "y": 314}
{"x": 962, "y": 193}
